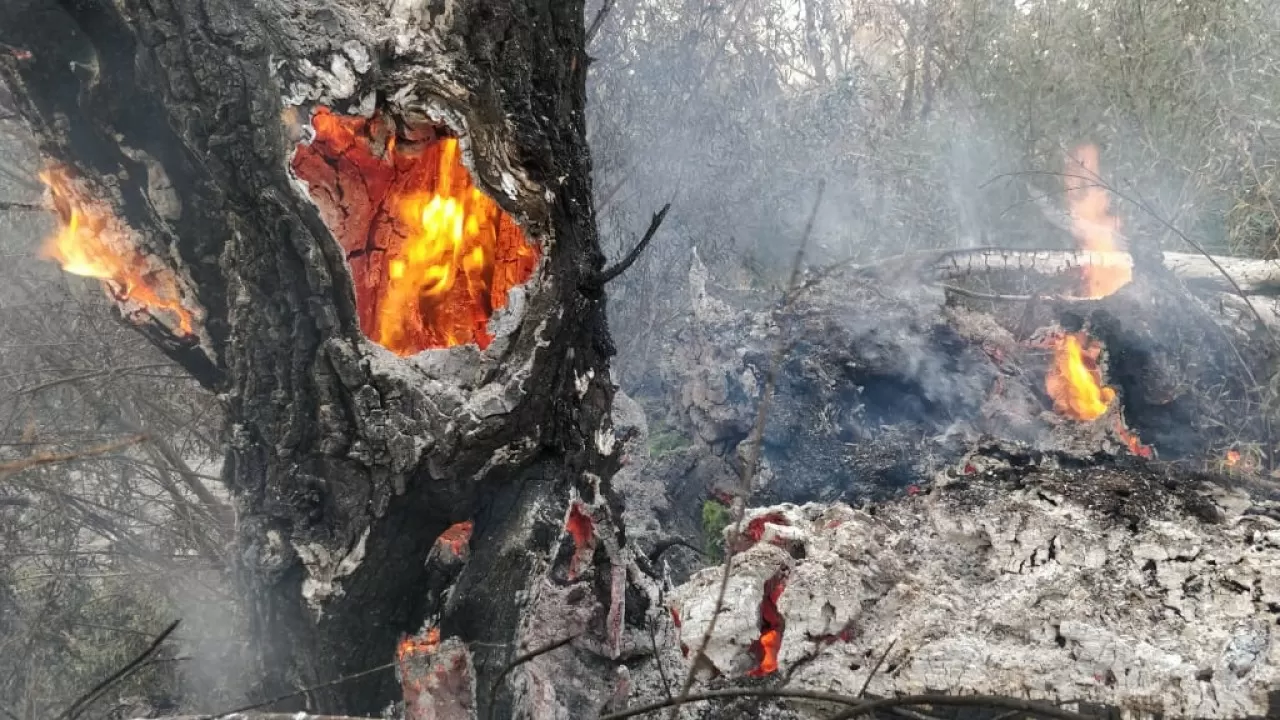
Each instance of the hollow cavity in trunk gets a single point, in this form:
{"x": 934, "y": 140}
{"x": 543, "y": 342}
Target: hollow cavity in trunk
{"x": 432, "y": 256}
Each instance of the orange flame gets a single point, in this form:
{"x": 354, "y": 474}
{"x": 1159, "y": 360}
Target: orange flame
{"x": 1074, "y": 380}
{"x": 1131, "y": 440}
{"x": 1094, "y": 227}
{"x": 86, "y": 246}
{"x": 1232, "y": 458}
{"x": 453, "y": 245}
{"x": 432, "y": 256}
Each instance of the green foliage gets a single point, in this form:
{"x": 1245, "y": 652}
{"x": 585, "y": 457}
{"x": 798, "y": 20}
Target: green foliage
{"x": 664, "y": 439}
{"x": 715, "y": 518}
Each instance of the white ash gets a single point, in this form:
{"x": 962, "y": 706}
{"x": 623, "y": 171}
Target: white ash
{"x": 1029, "y": 593}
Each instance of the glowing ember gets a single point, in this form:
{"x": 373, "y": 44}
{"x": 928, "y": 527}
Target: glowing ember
{"x": 413, "y": 646}
{"x": 582, "y": 529}
{"x": 1092, "y": 223}
{"x": 754, "y": 531}
{"x": 456, "y": 538}
{"x": 771, "y": 628}
{"x": 1232, "y": 458}
{"x": 87, "y": 246}
{"x": 432, "y": 257}
{"x": 1074, "y": 380}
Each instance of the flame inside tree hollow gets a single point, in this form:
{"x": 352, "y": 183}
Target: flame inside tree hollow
{"x": 432, "y": 257}
{"x": 88, "y": 245}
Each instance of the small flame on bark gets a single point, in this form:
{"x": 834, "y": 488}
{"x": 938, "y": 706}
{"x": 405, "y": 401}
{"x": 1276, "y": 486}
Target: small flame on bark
{"x": 87, "y": 246}
{"x": 1232, "y": 458}
{"x": 1074, "y": 380}
{"x": 772, "y": 625}
{"x": 1092, "y": 223}
{"x": 431, "y": 255}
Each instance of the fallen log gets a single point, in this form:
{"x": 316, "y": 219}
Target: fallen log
{"x": 1252, "y": 276}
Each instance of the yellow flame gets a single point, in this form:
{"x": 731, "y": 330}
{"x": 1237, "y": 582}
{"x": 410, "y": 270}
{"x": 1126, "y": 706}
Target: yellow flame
{"x": 1074, "y": 381}
{"x": 454, "y": 238}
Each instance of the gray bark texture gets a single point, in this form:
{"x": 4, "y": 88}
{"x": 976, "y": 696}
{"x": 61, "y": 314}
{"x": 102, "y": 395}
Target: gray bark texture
{"x": 346, "y": 462}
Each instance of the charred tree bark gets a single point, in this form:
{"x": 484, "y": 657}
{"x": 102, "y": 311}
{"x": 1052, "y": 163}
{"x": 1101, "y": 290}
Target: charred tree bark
{"x": 347, "y": 462}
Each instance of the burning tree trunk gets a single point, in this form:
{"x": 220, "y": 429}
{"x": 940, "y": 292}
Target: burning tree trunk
{"x": 271, "y": 191}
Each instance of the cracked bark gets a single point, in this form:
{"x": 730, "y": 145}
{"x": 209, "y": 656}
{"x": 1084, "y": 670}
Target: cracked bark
{"x": 346, "y": 462}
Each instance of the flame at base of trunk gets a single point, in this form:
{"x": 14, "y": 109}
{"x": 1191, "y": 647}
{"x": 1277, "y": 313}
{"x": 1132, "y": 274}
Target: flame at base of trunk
{"x": 87, "y": 246}
{"x": 1074, "y": 382}
{"x": 432, "y": 257}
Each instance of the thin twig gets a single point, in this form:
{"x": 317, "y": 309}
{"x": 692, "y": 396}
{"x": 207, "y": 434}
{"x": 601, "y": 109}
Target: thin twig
{"x": 657, "y": 658}
{"x": 1033, "y": 707}
{"x": 520, "y": 660}
{"x": 76, "y": 708}
{"x": 598, "y": 21}
{"x": 12, "y": 466}
{"x": 754, "y": 441}
{"x": 297, "y": 693}
{"x": 855, "y": 706}
{"x": 666, "y": 544}
{"x": 626, "y": 262}
{"x": 11, "y": 205}
{"x": 876, "y": 668}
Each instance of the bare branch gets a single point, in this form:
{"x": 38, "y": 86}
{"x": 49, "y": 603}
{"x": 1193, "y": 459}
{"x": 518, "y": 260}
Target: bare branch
{"x": 11, "y": 205}
{"x": 629, "y": 260}
{"x": 876, "y": 668}
{"x": 78, "y": 707}
{"x": 857, "y": 707}
{"x": 599, "y": 19}
{"x": 39, "y": 459}
{"x": 520, "y": 660}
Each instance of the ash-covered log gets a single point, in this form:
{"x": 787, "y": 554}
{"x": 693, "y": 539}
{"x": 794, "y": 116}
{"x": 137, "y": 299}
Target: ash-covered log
{"x": 1135, "y": 589}
{"x": 375, "y": 230}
